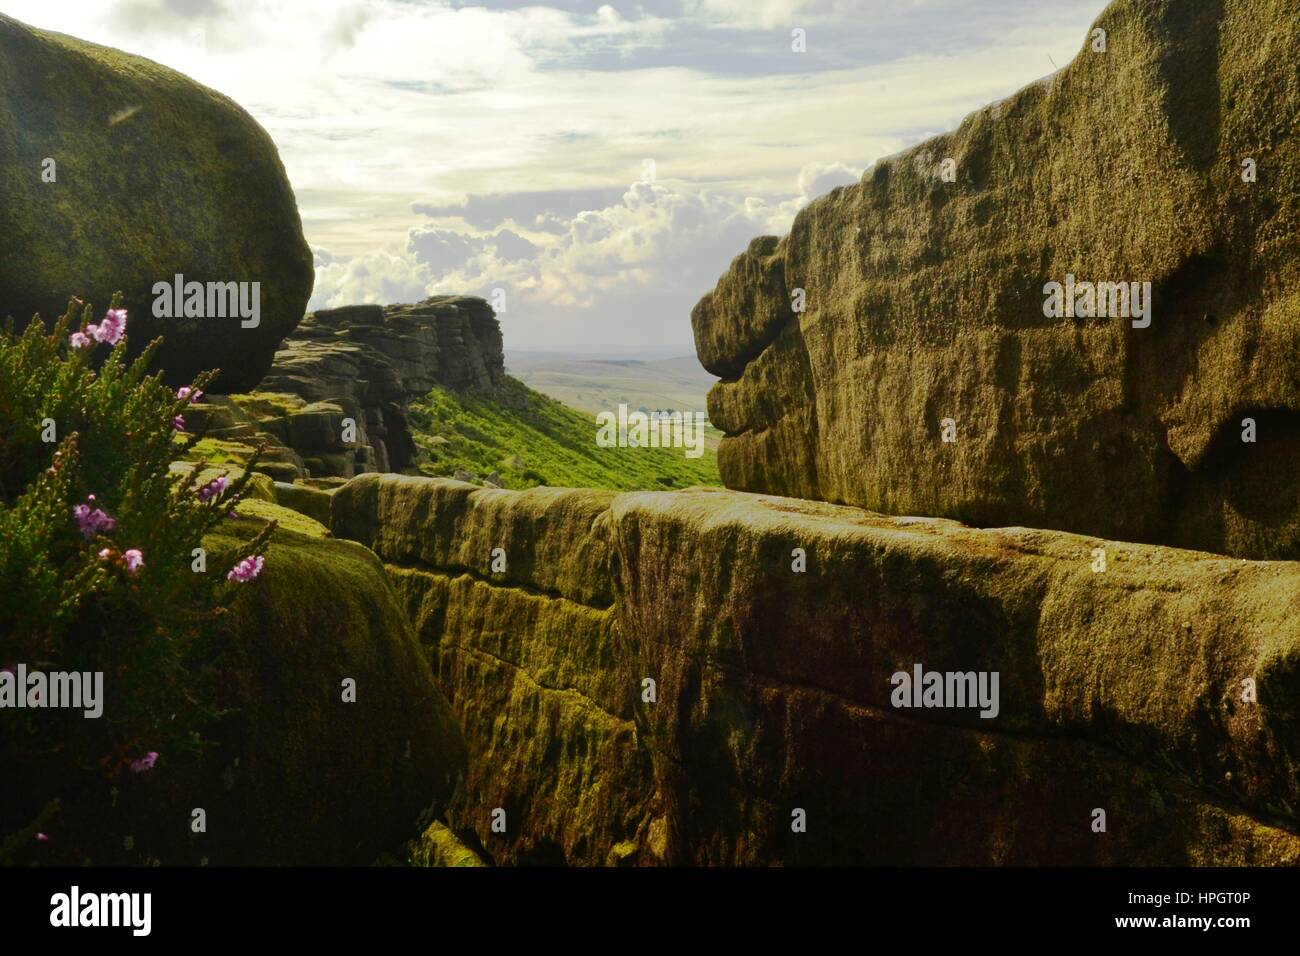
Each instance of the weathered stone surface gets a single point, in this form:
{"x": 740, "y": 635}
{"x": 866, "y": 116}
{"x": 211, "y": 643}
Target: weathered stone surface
{"x": 924, "y": 302}
{"x": 156, "y": 175}
{"x": 553, "y": 539}
{"x": 536, "y": 684}
{"x": 313, "y": 502}
{"x": 319, "y": 781}
{"x": 780, "y": 681}
{"x": 1121, "y": 690}
{"x": 369, "y": 362}
{"x": 438, "y": 846}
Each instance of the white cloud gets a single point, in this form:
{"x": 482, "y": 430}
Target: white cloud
{"x": 748, "y": 13}
{"x": 650, "y": 254}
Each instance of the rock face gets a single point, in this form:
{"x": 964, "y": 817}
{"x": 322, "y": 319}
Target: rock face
{"x": 309, "y": 779}
{"x": 292, "y": 772}
{"x": 154, "y": 176}
{"x": 366, "y": 363}
{"x": 1164, "y": 690}
{"x": 924, "y": 305}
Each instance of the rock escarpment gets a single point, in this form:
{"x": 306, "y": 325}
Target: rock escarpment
{"x": 117, "y": 173}
{"x": 1164, "y": 691}
{"x": 362, "y": 363}
{"x": 1170, "y": 158}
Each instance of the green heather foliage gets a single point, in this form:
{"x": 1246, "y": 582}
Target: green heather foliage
{"x": 530, "y": 439}
{"x": 72, "y": 598}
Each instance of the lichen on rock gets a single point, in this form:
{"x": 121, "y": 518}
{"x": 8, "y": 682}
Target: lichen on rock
{"x": 924, "y": 305}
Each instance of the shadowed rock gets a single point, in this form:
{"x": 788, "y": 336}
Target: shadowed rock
{"x": 155, "y": 176}
{"x": 925, "y": 303}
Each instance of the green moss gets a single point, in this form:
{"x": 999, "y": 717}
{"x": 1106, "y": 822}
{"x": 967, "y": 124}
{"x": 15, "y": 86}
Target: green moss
{"x": 320, "y": 780}
{"x": 259, "y": 486}
{"x": 219, "y": 451}
{"x": 156, "y": 175}
{"x": 438, "y": 846}
{"x": 285, "y": 517}
{"x": 269, "y": 404}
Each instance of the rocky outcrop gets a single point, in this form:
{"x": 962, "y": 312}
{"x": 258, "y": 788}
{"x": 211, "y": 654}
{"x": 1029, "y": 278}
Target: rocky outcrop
{"x": 307, "y": 777}
{"x": 924, "y": 377}
{"x": 364, "y": 364}
{"x": 153, "y": 176}
{"x": 293, "y": 770}
{"x": 1163, "y": 690}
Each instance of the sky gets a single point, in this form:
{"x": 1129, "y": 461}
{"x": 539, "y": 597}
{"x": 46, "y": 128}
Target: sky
{"x": 599, "y": 163}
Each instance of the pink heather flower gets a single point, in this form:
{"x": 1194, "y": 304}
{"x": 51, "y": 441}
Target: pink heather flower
{"x": 193, "y": 394}
{"x": 178, "y": 423}
{"x": 144, "y": 763}
{"x": 213, "y": 488}
{"x": 106, "y": 553}
{"x": 112, "y": 327}
{"x": 42, "y": 838}
{"x": 134, "y": 559}
{"x": 80, "y": 340}
{"x": 91, "y": 520}
{"x": 247, "y": 569}
{"x": 234, "y": 502}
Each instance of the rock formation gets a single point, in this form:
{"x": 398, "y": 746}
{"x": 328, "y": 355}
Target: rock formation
{"x": 1121, "y": 691}
{"x": 924, "y": 377}
{"x": 364, "y": 363}
{"x": 307, "y": 778}
{"x": 117, "y": 173}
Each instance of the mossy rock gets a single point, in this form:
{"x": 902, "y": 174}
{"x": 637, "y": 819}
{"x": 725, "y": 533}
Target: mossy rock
{"x": 259, "y": 486}
{"x": 924, "y": 299}
{"x": 220, "y": 451}
{"x": 287, "y": 518}
{"x": 438, "y": 846}
{"x": 156, "y": 175}
{"x": 313, "y": 502}
{"x": 305, "y": 777}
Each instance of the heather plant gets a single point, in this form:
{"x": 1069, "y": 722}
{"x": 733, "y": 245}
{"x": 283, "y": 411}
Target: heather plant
{"x": 98, "y": 539}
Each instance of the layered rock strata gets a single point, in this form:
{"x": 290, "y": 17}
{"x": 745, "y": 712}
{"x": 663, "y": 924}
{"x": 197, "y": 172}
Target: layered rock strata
{"x": 1163, "y": 691}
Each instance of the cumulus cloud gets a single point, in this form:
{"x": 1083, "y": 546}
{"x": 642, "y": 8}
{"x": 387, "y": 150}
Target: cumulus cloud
{"x": 614, "y": 275}
{"x": 441, "y": 250}
{"x": 535, "y": 208}
{"x": 816, "y": 179}
{"x": 381, "y": 277}
{"x": 510, "y": 245}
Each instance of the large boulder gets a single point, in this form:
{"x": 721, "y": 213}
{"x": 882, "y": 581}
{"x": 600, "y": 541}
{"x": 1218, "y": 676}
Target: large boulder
{"x": 155, "y": 176}
{"x": 666, "y": 677}
{"x": 307, "y": 777}
{"x": 925, "y": 303}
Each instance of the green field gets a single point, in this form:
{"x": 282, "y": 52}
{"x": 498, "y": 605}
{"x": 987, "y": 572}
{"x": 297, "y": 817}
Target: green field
{"x": 528, "y": 439}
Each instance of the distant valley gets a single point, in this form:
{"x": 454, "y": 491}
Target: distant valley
{"x": 599, "y": 382}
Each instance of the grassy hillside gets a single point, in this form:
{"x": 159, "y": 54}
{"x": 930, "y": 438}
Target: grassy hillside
{"x": 529, "y": 439}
